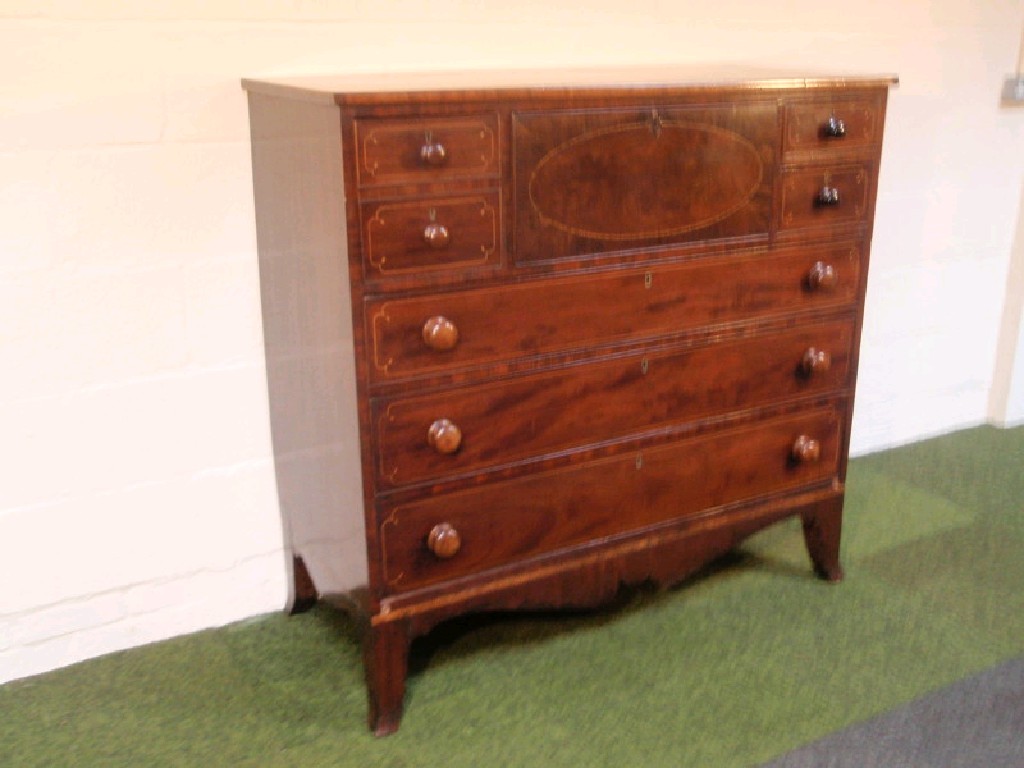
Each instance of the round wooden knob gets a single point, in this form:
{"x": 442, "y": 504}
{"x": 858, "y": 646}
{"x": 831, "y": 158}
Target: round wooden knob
{"x": 444, "y": 541}
{"x": 436, "y": 235}
{"x": 828, "y": 197}
{"x": 806, "y": 450}
{"x": 434, "y": 154}
{"x": 440, "y": 333}
{"x": 834, "y": 128}
{"x": 444, "y": 436}
{"x": 822, "y": 277}
{"x": 815, "y": 361}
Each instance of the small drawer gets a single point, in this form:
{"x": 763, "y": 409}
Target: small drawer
{"x": 497, "y": 326}
{"x": 468, "y": 429}
{"x": 824, "y": 196}
{"x": 833, "y": 125}
{"x": 406, "y": 236}
{"x": 461, "y": 533}
{"x": 424, "y": 150}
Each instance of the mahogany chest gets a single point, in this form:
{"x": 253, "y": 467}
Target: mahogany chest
{"x": 533, "y": 336}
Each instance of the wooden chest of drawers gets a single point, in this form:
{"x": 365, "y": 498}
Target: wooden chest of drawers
{"x": 530, "y": 338}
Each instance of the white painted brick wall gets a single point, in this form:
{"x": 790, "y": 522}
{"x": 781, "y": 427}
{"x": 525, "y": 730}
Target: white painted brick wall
{"x": 137, "y": 496}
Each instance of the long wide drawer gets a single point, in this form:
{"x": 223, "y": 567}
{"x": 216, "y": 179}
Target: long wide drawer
{"x": 471, "y": 428}
{"x": 446, "y": 332}
{"x": 456, "y": 534}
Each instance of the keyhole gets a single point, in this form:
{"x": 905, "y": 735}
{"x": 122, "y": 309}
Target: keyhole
{"x": 655, "y": 123}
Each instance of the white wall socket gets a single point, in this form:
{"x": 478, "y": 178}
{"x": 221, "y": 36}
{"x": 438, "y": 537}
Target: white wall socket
{"x": 1013, "y": 90}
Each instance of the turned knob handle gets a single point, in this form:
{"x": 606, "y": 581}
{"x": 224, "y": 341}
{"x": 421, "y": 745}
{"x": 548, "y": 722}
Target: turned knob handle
{"x": 444, "y": 436}
{"x": 440, "y": 333}
{"x": 822, "y": 277}
{"x": 433, "y": 153}
{"x": 828, "y": 197}
{"x": 834, "y": 128}
{"x": 444, "y": 541}
{"x": 815, "y": 361}
{"x": 806, "y": 450}
{"x": 436, "y": 235}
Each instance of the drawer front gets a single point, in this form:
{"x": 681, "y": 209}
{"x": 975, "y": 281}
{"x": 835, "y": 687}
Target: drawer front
{"x": 824, "y": 196}
{"x": 833, "y": 125}
{"x": 598, "y": 181}
{"x": 406, "y": 236}
{"x": 491, "y": 526}
{"x": 462, "y": 430}
{"x": 425, "y": 150}
{"x": 508, "y": 323}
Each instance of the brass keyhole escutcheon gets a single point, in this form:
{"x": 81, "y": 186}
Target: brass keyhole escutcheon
{"x": 639, "y": 461}
{"x": 648, "y": 279}
{"x": 645, "y": 366}
{"x": 656, "y": 123}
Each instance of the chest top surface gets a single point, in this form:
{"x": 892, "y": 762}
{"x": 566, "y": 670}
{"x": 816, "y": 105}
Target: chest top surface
{"x": 554, "y": 84}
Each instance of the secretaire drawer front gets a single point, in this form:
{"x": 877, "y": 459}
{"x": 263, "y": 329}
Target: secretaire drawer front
{"x": 824, "y": 196}
{"x": 471, "y": 428}
{"x": 598, "y": 181}
{"x": 833, "y": 125}
{"x": 463, "y": 329}
{"x": 403, "y": 236}
{"x": 424, "y": 150}
{"x": 457, "y": 534}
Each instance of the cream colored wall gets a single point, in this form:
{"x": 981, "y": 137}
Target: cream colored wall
{"x": 137, "y": 498}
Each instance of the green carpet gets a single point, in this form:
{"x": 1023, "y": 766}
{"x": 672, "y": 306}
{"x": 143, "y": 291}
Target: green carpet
{"x": 748, "y": 661}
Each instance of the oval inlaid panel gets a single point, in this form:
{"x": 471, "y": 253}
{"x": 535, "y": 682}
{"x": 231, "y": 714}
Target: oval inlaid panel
{"x": 645, "y": 180}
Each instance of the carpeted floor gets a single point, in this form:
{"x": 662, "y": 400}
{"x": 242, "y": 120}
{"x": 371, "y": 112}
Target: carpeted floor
{"x": 750, "y": 661}
{"x": 974, "y": 723}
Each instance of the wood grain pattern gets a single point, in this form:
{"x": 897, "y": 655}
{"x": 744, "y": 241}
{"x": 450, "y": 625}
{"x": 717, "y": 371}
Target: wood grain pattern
{"x": 393, "y": 151}
{"x": 506, "y": 323}
{"x": 523, "y": 518}
{"x": 644, "y": 180}
{"x": 398, "y": 234}
{"x": 583, "y": 405}
{"x": 603, "y": 180}
{"x": 800, "y": 208}
{"x": 806, "y": 125}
